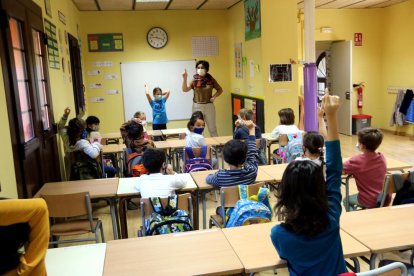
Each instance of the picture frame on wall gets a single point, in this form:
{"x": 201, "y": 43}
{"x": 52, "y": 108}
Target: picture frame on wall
{"x": 252, "y": 19}
{"x": 48, "y": 8}
{"x": 280, "y": 72}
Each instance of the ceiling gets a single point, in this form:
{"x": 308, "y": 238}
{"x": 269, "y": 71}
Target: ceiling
{"x": 130, "y": 5}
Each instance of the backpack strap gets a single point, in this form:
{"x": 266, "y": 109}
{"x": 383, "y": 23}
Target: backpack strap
{"x": 243, "y": 191}
{"x": 203, "y": 152}
{"x": 190, "y": 153}
{"x": 262, "y": 194}
{"x": 156, "y": 204}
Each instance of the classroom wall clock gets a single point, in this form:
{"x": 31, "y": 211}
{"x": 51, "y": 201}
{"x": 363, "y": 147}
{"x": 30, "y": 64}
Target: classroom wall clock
{"x": 157, "y": 37}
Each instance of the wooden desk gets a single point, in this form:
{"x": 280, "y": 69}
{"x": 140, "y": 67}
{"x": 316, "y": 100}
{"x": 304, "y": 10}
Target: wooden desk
{"x": 173, "y": 131}
{"x": 189, "y": 253}
{"x": 113, "y": 148}
{"x": 127, "y": 190}
{"x": 270, "y": 140}
{"x": 105, "y": 188}
{"x": 223, "y": 139}
{"x": 156, "y": 132}
{"x": 275, "y": 171}
{"x": 381, "y": 229}
{"x": 250, "y": 242}
{"x": 203, "y": 187}
{"x": 76, "y": 260}
{"x": 112, "y": 135}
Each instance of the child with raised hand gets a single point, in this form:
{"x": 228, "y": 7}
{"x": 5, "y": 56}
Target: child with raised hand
{"x": 241, "y": 157}
{"x": 159, "y": 113}
{"x": 309, "y": 239}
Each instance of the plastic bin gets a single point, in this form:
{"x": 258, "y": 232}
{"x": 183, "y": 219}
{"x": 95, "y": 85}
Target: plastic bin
{"x": 360, "y": 121}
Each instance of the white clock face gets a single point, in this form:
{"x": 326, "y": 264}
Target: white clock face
{"x": 157, "y": 37}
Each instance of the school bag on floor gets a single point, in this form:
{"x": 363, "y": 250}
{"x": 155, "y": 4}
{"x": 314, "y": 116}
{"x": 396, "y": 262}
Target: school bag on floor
{"x": 83, "y": 167}
{"x": 405, "y": 189}
{"x": 250, "y": 209}
{"x": 293, "y": 149}
{"x": 167, "y": 219}
{"x": 194, "y": 164}
{"x": 135, "y": 166}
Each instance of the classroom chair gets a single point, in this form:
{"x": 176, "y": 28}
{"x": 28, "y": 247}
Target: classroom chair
{"x": 197, "y": 151}
{"x": 261, "y": 145}
{"x": 184, "y": 203}
{"x": 71, "y": 214}
{"x": 393, "y": 269}
{"x": 228, "y": 198}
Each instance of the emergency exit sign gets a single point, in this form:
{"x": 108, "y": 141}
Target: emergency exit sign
{"x": 357, "y": 39}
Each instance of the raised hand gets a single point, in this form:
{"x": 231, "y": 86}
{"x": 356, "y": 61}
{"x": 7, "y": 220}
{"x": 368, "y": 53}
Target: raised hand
{"x": 185, "y": 74}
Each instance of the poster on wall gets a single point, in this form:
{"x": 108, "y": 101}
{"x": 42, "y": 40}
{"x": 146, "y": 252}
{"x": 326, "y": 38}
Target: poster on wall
{"x": 48, "y": 8}
{"x": 252, "y": 19}
{"x": 105, "y": 42}
{"x": 238, "y": 60}
{"x": 52, "y": 45}
{"x": 280, "y": 72}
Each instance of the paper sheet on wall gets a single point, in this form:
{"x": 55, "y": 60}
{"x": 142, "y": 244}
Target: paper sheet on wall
{"x": 94, "y": 72}
{"x": 95, "y": 85}
{"x": 102, "y": 63}
{"x": 112, "y": 91}
{"x": 97, "y": 99}
{"x": 111, "y": 76}
{"x": 251, "y": 68}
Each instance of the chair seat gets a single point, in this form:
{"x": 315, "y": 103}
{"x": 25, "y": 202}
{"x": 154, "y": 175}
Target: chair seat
{"x": 74, "y": 227}
{"x": 217, "y": 220}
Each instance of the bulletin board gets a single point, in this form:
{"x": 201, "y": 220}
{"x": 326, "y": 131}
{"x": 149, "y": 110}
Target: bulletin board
{"x": 255, "y": 104}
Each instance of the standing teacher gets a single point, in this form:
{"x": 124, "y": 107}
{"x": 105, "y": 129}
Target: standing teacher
{"x": 203, "y": 84}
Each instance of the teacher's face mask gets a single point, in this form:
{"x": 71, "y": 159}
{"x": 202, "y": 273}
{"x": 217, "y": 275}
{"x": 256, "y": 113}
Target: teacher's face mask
{"x": 201, "y": 72}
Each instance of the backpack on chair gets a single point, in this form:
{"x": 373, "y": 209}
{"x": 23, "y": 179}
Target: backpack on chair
{"x": 294, "y": 148}
{"x": 168, "y": 219}
{"x": 250, "y": 209}
{"x": 194, "y": 164}
{"x": 135, "y": 166}
{"x": 405, "y": 189}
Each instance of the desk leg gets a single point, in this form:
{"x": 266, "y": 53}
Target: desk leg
{"x": 347, "y": 192}
{"x": 203, "y": 198}
{"x": 356, "y": 264}
{"x": 269, "y": 157}
{"x": 372, "y": 261}
{"x": 195, "y": 201}
{"x": 122, "y": 217}
{"x": 112, "y": 204}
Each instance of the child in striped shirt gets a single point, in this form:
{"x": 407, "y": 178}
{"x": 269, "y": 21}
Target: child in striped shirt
{"x": 241, "y": 159}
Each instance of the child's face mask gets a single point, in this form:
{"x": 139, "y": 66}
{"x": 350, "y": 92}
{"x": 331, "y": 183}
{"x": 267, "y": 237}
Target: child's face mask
{"x": 143, "y": 123}
{"x": 84, "y": 134}
{"x": 158, "y": 97}
{"x": 358, "y": 146}
{"x": 198, "y": 130}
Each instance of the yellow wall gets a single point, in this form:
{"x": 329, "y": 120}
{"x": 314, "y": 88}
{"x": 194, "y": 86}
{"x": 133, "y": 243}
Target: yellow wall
{"x": 278, "y": 44}
{"x": 366, "y": 59}
{"x": 397, "y": 57}
{"x": 180, "y": 26}
{"x": 7, "y": 176}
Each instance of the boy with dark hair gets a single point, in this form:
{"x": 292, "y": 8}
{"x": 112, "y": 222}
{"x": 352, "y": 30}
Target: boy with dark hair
{"x": 368, "y": 168}
{"x": 241, "y": 159}
{"x": 92, "y": 124}
{"x": 156, "y": 184}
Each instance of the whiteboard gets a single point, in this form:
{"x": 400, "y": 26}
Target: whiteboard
{"x": 164, "y": 74}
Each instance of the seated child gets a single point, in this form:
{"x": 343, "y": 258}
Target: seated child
{"x": 287, "y": 123}
{"x": 139, "y": 118}
{"x": 241, "y": 132}
{"x": 83, "y": 151}
{"x": 368, "y": 168}
{"x": 241, "y": 159}
{"x": 140, "y": 115}
{"x": 195, "y": 128}
{"x": 93, "y": 135}
{"x": 156, "y": 183}
{"x": 309, "y": 238}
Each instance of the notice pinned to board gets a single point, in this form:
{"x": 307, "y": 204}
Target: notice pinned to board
{"x": 112, "y": 91}
{"x": 95, "y": 85}
{"x": 111, "y": 76}
{"x": 97, "y": 100}
{"x": 94, "y": 72}
{"x": 105, "y": 42}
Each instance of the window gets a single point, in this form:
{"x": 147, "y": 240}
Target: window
{"x": 321, "y": 75}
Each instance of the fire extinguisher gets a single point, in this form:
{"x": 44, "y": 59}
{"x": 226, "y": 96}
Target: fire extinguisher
{"x": 359, "y": 98}
{"x": 359, "y": 88}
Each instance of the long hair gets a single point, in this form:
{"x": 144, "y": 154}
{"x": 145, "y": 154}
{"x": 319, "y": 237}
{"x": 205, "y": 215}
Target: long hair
{"x": 287, "y": 117}
{"x": 302, "y": 198}
{"x": 75, "y": 128}
{"x": 314, "y": 143}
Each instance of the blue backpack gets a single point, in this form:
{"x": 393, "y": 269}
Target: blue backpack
{"x": 250, "y": 210}
{"x": 294, "y": 148}
{"x": 168, "y": 219}
{"x": 195, "y": 164}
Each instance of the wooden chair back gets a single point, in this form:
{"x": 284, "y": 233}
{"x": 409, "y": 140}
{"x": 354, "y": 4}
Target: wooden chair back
{"x": 230, "y": 195}
{"x": 68, "y": 205}
{"x": 390, "y": 188}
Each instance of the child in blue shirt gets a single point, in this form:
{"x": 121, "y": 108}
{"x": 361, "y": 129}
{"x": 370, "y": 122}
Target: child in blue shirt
{"x": 309, "y": 239}
{"x": 159, "y": 113}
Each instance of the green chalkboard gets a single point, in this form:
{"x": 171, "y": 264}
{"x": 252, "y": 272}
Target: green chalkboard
{"x": 105, "y": 42}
